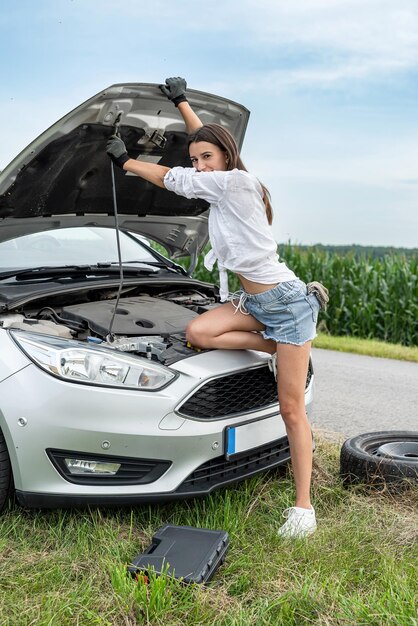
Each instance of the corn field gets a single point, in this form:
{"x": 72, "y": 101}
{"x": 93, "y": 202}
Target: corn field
{"x": 369, "y": 298}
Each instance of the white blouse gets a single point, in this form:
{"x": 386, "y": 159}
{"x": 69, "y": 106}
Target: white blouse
{"x": 239, "y": 232}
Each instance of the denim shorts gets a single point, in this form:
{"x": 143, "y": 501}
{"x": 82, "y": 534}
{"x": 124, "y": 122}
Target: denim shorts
{"x": 289, "y": 314}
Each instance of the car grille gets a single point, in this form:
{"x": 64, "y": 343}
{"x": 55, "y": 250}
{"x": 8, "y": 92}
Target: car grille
{"x": 234, "y": 394}
{"x": 220, "y": 471}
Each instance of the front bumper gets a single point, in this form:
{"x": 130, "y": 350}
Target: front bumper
{"x": 60, "y": 415}
{"x": 210, "y": 476}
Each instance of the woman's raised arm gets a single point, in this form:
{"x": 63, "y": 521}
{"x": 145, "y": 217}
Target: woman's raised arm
{"x": 191, "y": 120}
{"x": 175, "y": 90}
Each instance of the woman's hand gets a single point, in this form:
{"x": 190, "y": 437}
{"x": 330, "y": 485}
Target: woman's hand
{"x": 116, "y": 149}
{"x": 151, "y": 172}
{"x": 175, "y": 89}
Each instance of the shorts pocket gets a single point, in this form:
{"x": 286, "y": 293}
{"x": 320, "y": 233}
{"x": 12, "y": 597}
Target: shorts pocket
{"x": 275, "y": 306}
{"x": 313, "y": 302}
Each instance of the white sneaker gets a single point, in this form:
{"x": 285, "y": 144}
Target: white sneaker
{"x": 272, "y": 363}
{"x": 300, "y": 523}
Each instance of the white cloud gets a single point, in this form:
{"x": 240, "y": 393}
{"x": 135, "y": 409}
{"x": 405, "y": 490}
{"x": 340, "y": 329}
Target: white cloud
{"x": 364, "y": 27}
{"x": 328, "y": 42}
{"x": 322, "y": 42}
{"x": 357, "y": 26}
{"x": 276, "y": 43}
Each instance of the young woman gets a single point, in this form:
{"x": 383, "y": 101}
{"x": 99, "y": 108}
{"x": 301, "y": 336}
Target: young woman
{"x": 273, "y": 313}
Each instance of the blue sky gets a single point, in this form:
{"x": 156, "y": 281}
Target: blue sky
{"x": 331, "y": 85}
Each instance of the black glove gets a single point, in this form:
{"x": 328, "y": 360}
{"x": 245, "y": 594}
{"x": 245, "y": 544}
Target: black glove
{"x": 175, "y": 89}
{"x": 116, "y": 149}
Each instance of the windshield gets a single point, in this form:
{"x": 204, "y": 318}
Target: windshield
{"x": 73, "y": 246}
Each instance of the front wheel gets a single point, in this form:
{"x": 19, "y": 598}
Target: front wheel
{"x": 6, "y": 477}
{"x": 380, "y": 457}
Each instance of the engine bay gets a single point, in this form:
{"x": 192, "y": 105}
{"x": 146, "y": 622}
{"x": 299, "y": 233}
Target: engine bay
{"x": 151, "y": 324}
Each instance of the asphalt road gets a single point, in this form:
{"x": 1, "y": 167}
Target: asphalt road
{"x": 358, "y": 394}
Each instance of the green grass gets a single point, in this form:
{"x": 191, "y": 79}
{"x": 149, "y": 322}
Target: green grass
{"x": 370, "y": 347}
{"x": 60, "y": 568}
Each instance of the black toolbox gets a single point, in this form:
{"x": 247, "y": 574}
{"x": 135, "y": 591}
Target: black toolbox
{"x": 192, "y": 554}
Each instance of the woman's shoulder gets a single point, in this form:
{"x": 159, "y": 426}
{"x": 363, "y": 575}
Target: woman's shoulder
{"x": 243, "y": 178}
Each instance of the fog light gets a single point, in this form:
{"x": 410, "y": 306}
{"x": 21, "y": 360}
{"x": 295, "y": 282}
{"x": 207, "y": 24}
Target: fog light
{"x": 78, "y": 467}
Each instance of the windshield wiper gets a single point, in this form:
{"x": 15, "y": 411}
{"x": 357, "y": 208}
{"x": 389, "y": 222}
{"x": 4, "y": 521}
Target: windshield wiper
{"x": 168, "y": 265}
{"x": 65, "y": 270}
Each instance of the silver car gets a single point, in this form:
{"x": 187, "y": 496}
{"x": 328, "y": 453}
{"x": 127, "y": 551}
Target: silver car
{"x": 102, "y": 401}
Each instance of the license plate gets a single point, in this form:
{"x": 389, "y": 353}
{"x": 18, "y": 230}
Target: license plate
{"x": 252, "y": 435}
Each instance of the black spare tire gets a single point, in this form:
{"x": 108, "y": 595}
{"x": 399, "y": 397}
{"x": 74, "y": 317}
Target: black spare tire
{"x": 380, "y": 457}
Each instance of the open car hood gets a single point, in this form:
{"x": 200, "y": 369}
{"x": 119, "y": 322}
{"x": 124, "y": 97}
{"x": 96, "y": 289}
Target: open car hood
{"x": 63, "y": 178}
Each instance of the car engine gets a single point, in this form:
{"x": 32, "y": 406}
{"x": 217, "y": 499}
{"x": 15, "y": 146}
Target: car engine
{"x": 147, "y": 325}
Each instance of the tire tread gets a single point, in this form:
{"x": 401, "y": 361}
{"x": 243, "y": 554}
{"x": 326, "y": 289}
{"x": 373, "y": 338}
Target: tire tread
{"x": 358, "y": 465}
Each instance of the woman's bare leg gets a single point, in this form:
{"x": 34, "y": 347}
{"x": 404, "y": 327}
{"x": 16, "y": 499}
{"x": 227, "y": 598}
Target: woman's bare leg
{"x": 224, "y": 328}
{"x": 292, "y": 369}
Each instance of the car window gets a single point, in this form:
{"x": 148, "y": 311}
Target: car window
{"x": 73, "y": 246}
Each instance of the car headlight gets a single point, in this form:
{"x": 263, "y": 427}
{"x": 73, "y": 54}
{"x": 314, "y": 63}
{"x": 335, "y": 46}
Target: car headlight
{"x": 73, "y": 360}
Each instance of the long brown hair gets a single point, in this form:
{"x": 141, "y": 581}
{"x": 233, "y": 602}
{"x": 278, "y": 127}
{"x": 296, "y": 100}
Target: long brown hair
{"x": 221, "y": 137}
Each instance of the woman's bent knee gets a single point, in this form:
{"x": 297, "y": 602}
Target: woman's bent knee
{"x": 196, "y": 334}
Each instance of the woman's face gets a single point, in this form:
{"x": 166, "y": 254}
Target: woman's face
{"x": 207, "y": 157}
